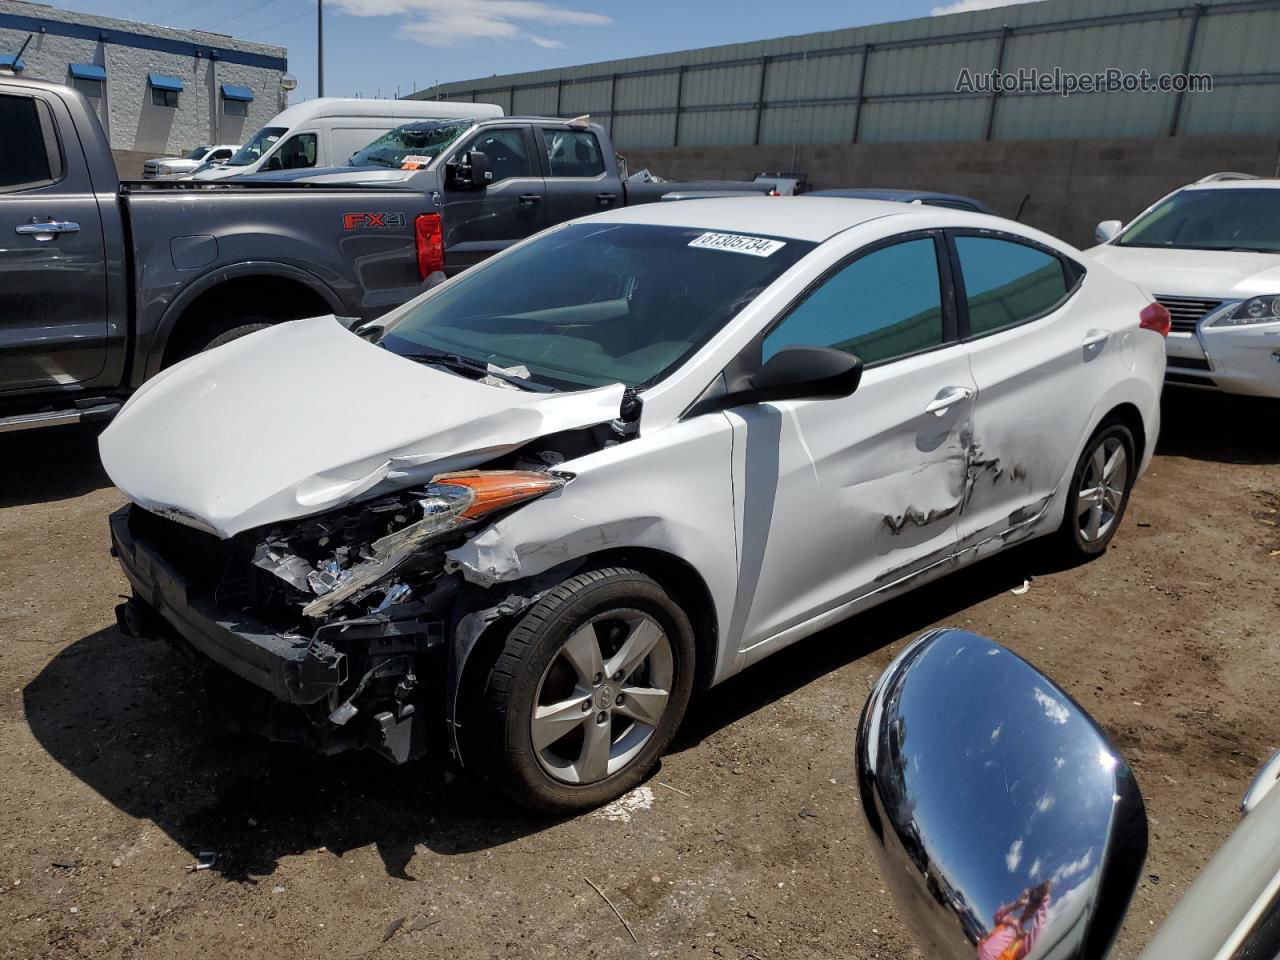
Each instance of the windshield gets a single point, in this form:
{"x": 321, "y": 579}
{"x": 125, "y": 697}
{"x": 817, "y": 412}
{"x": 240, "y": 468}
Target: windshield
{"x": 197, "y": 153}
{"x": 252, "y": 151}
{"x": 1234, "y": 219}
{"x": 423, "y": 139}
{"x": 596, "y": 303}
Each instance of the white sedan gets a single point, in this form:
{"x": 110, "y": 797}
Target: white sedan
{"x": 533, "y": 512}
{"x": 1210, "y": 252}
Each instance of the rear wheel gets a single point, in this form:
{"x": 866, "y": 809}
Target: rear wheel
{"x": 588, "y": 691}
{"x": 1099, "y": 491}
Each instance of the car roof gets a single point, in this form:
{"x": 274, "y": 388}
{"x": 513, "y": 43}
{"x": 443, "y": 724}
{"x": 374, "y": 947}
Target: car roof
{"x": 797, "y": 218}
{"x": 1259, "y": 183}
{"x": 890, "y": 193}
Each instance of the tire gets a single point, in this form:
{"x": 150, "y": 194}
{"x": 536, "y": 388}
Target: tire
{"x": 218, "y": 336}
{"x": 1089, "y": 524}
{"x": 546, "y": 662}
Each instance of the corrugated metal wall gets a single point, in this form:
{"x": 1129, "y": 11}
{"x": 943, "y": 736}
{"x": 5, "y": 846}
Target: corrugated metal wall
{"x": 896, "y": 82}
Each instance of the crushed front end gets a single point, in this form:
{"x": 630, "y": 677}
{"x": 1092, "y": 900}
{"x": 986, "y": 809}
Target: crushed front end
{"x": 330, "y": 631}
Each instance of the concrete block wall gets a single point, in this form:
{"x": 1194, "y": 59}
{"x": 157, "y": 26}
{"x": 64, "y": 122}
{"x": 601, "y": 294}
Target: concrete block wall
{"x": 1067, "y": 185}
{"x": 132, "y": 122}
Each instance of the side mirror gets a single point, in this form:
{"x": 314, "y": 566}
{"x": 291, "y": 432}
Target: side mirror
{"x": 1106, "y": 230}
{"x": 801, "y": 373}
{"x": 1004, "y": 821}
{"x": 274, "y": 162}
{"x": 471, "y": 171}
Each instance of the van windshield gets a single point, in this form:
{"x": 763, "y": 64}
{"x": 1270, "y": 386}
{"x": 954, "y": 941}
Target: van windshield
{"x": 252, "y": 151}
{"x": 425, "y": 138}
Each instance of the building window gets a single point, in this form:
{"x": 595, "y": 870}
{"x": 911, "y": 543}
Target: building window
{"x": 235, "y": 108}
{"x": 88, "y": 86}
{"x": 164, "y": 98}
{"x": 164, "y": 89}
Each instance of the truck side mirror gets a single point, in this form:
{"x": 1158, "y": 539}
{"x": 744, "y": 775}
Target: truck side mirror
{"x": 274, "y": 162}
{"x": 471, "y": 171}
{"x": 999, "y": 811}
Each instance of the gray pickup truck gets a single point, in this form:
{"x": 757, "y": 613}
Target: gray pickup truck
{"x": 105, "y": 283}
{"x": 497, "y": 180}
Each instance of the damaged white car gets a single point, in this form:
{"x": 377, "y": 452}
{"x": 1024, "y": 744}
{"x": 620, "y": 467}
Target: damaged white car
{"x": 528, "y": 515}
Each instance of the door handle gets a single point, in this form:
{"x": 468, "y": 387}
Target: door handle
{"x": 529, "y": 198}
{"x": 45, "y": 229}
{"x": 948, "y": 398}
{"x": 1096, "y": 338}
{"x": 605, "y": 199}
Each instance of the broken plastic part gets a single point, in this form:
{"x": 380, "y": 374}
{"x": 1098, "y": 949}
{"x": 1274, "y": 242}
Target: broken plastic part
{"x": 451, "y": 499}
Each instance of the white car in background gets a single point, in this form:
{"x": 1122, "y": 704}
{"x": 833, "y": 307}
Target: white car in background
{"x": 1210, "y": 252}
{"x": 620, "y": 461}
{"x": 180, "y": 166}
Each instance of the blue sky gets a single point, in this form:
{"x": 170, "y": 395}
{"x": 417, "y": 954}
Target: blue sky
{"x": 377, "y": 47}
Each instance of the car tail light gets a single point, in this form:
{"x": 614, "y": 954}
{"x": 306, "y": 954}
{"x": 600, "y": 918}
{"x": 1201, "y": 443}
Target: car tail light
{"x": 1155, "y": 317}
{"x": 428, "y": 235}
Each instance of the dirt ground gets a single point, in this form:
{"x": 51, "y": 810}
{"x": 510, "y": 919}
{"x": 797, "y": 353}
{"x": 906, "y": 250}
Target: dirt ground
{"x": 747, "y": 843}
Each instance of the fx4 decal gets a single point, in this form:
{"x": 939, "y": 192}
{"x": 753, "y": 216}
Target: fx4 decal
{"x": 364, "y": 221}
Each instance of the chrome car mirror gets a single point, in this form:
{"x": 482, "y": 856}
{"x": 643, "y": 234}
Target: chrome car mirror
{"x": 1006, "y": 824}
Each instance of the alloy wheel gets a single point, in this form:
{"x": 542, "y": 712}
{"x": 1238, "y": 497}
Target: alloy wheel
{"x": 1102, "y": 490}
{"x": 602, "y": 697}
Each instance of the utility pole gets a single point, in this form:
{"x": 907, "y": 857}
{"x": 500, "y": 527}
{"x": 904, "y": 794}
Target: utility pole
{"x": 319, "y": 48}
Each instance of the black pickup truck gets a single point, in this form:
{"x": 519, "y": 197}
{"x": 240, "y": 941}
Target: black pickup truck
{"x": 497, "y": 180}
{"x": 105, "y": 283}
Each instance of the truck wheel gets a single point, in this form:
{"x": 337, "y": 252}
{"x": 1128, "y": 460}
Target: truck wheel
{"x": 1099, "y": 492}
{"x": 587, "y": 692}
{"x": 217, "y": 337}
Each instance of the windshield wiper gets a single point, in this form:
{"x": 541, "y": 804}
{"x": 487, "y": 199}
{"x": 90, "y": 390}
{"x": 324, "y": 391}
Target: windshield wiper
{"x": 461, "y": 364}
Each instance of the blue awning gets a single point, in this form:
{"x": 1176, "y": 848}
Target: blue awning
{"x": 159, "y": 81}
{"x": 87, "y": 71}
{"x": 231, "y": 92}
{"x": 11, "y": 61}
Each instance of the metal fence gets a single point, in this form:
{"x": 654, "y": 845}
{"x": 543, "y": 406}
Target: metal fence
{"x": 897, "y": 82}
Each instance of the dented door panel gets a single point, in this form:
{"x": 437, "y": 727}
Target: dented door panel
{"x": 831, "y": 494}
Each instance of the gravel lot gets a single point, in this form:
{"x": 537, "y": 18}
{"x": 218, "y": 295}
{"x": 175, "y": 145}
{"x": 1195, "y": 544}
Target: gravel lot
{"x": 747, "y": 843}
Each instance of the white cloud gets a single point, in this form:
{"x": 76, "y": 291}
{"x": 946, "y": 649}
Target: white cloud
{"x": 1069, "y": 870}
{"x": 443, "y": 23}
{"x": 1014, "y": 856}
{"x": 964, "y": 6}
{"x": 1053, "y": 710}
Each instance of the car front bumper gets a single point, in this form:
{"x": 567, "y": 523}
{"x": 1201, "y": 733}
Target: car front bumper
{"x": 1242, "y": 359}
{"x": 350, "y": 683}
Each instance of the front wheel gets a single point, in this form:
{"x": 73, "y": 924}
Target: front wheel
{"x": 588, "y": 691}
{"x": 1099, "y": 492}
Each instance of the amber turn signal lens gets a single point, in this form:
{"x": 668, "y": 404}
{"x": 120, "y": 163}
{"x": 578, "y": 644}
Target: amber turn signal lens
{"x": 495, "y": 489}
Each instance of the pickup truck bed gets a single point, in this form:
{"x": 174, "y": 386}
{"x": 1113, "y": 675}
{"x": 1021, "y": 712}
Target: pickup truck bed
{"x": 108, "y": 282}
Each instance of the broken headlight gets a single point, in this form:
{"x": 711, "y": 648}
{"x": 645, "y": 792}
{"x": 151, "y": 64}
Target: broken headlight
{"x": 449, "y": 502}
{"x": 1254, "y": 310}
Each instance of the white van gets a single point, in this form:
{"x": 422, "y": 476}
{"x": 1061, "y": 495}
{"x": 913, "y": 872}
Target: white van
{"x": 324, "y": 132}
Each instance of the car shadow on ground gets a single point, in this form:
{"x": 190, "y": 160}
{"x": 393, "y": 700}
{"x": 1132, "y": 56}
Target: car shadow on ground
{"x": 128, "y": 718}
{"x": 1202, "y": 425}
{"x": 54, "y": 463}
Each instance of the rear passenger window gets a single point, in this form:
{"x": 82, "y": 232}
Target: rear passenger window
{"x": 573, "y": 153}
{"x": 24, "y": 159}
{"x": 1007, "y": 283}
{"x": 884, "y": 305}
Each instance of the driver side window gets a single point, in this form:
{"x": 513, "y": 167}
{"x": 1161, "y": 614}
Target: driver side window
{"x": 507, "y": 152}
{"x": 884, "y": 305}
{"x": 298, "y": 152}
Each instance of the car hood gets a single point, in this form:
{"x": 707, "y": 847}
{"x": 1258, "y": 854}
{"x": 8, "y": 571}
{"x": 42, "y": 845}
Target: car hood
{"x": 1193, "y": 273}
{"x": 220, "y": 173}
{"x": 305, "y": 416}
{"x": 341, "y": 176}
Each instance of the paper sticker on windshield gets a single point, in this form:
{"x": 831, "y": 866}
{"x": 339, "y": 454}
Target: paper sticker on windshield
{"x": 738, "y": 243}
{"x": 413, "y": 162}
